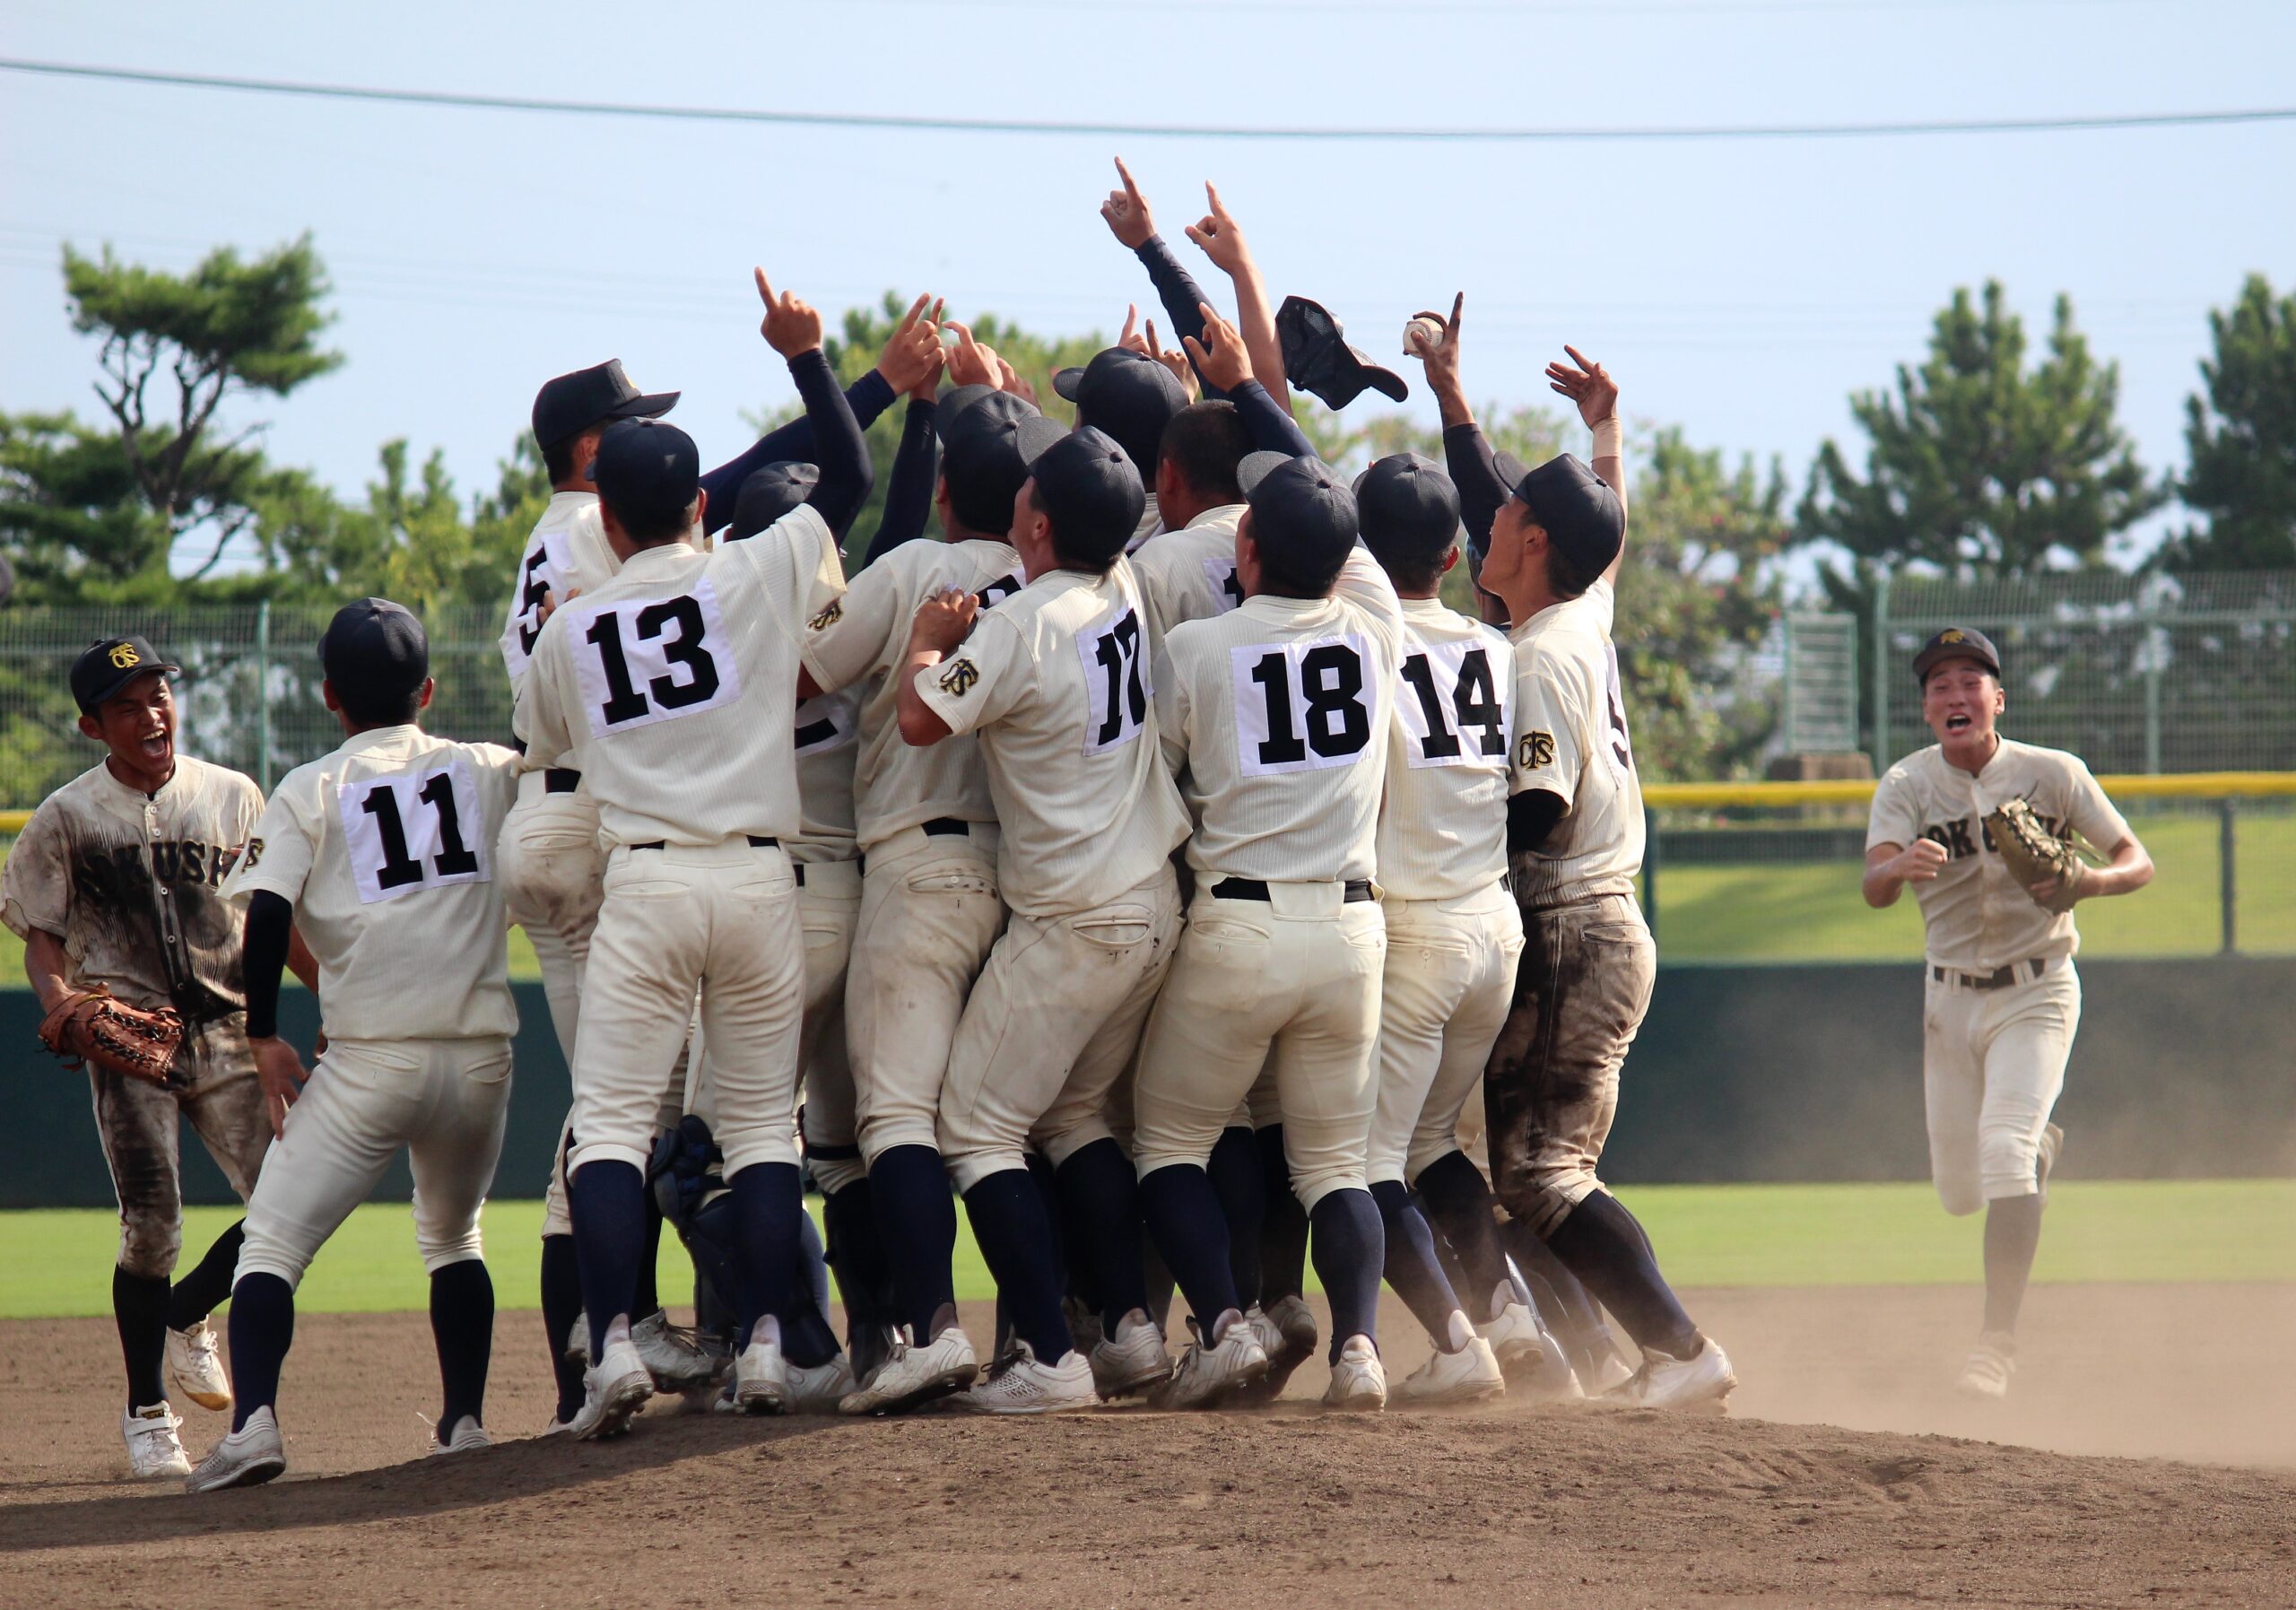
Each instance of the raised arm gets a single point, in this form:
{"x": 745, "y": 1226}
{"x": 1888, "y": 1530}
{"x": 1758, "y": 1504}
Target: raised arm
{"x": 1222, "y": 241}
{"x": 793, "y": 327}
{"x": 1130, "y": 222}
{"x": 1467, "y": 455}
{"x": 1219, "y": 357}
{"x": 909, "y": 490}
{"x": 1589, "y": 385}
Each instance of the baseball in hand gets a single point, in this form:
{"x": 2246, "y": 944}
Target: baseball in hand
{"x": 1422, "y": 336}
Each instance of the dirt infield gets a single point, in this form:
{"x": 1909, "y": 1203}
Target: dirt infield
{"x": 1508, "y": 1505}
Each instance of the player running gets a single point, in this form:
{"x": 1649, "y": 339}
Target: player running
{"x": 381, "y": 854}
{"x": 2001, "y": 998}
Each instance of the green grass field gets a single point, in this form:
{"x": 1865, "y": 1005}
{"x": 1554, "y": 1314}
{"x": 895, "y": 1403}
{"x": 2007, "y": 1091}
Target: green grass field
{"x": 59, "y": 1262}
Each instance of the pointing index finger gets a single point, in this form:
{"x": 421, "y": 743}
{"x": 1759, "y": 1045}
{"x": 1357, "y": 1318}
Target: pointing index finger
{"x": 1125, "y": 174}
{"x": 1458, "y": 306}
{"x": 764, "y": 289}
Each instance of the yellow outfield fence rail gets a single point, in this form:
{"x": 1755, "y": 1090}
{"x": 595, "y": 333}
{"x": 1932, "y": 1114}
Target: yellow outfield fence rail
{"x": 2189, "y": 785}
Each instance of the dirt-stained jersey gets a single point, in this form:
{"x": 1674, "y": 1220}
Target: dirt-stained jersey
{"x": 1572, "y": 741}
{"x": 1979, "y": 918}
{"x": 132, "y": 883}
{"x": 1054, "y": 682}
{"x": 1443, "y": 826}
{"x": 386, "y": 849}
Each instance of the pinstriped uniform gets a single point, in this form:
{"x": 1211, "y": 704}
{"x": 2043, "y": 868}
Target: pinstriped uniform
{"x": 1189, "y": 574}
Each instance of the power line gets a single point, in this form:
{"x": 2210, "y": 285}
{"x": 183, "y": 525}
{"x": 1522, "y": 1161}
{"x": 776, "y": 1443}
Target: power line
{"x": 1151, "y": 131}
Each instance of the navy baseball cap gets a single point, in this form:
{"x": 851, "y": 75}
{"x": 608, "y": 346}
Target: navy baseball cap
{"x": 971, "y": 407}
{"x": 770, "y": 491}
{"x": 1317, "y": 360}
{"x": 1408, "y": 508}
{"x": 1576, "y": 509}
{"x": 1129, "y": 396}
{"x": 1956, "y": 642}
{"x": 109, "y": 664}
{"x": 572, "y": 404}
{"x": 375, "y": 650}
{"x": 647, "y": 466}
{"x": 1303, "y": 514}
{"x": 1089, "y": 488}
{"x": 987, "y": 462}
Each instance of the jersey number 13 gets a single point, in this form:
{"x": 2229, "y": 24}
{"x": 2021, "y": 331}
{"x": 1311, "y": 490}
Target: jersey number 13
{"x": 641, "y": 662}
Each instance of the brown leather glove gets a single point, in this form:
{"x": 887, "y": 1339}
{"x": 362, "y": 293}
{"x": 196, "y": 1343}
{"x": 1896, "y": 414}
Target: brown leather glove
{"x": 93, "y": 1025}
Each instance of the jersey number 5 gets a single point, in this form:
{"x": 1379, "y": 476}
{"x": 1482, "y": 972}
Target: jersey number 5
{"x": 423, "y": 830}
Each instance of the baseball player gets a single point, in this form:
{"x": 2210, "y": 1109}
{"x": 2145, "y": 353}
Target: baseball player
{"x": 1554, "y": 538}
{"x": 672, "y": 688}
{"x": 930, "y": 907}
{"x": 113, "y": 887}
{"x": 380, "y": 854}
{"x": 1054, "y": 683}
{"x": 1274, "y": 718}
{"x": 2001, "y": 1000}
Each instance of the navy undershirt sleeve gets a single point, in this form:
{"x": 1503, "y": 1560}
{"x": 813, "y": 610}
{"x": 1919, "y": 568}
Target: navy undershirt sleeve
{"x": 1180, "y": 295}
{"x": 909, "y": 490}
{"x": 1531, "y": 816}
{"x": 1272, "y": 429}
{"x": 841, "y": 451}
{"x": 868, "y": 396}
{"x": 1467, "y": 455}
{"x": 263, "y": 957}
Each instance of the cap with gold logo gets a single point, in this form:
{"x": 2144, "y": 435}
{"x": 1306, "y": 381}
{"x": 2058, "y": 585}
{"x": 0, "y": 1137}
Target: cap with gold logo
{"x": 105, "y": 667}
{"x": 1956, "y": 642}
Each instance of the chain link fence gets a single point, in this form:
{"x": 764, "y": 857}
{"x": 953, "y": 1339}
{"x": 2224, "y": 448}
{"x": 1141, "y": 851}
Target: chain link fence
{"x": 248, "y": 697}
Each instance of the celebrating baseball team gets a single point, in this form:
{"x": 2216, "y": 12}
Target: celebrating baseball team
{"x": 1150, "y": 859}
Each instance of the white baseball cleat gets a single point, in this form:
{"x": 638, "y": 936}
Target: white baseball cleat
{"x": 1287, "y": 1334}
{"x": 248, "y": 1457}
{"x": 1529, "y": 1357}
{"x": 818, "y": 1389}
{"x": 916, "y": 1375}
{"x": 468, "y": 1437}
{"x": 1701, "y": 1382}
{"x": 1991, "y": 1362}
{"x": 1470, "y": 1375}
{"x": 671, "y": 1353}
{"x": 614, "y": 1389}
{"x": 1359, "y": 1380}
{"x": 1133, "y": 1360}
{"x": 153, "y": 1449}
{"x": 1020, "y": 1383}
{"x": 761, "y": 1377}
{"x": 195, "y": 1364}
{"x": 1206, "y": 1377}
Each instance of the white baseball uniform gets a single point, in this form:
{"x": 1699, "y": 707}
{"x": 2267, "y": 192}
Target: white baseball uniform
{"x": 385, "y": 848}
{"x": 1454, "y": 935}
{"x": 1054, "y": 682}
{"x": 672, "y": 690}
{"x": 829, "y": 899}
{"x": 2002, "y": 999}
{"x": 925, "y": 822}
{"x": 1189, "y": 574}
{"x": 1275, "y": 717}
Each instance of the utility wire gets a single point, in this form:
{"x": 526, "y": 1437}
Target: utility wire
{"x": 1153, "y": 131}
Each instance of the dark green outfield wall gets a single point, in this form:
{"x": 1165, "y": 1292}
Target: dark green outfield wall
{"x": 2182, "y": 1069}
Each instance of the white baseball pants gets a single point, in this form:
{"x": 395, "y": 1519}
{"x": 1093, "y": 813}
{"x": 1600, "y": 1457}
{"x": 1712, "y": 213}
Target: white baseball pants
{"x": 1450, "y": 976}
{"x": 1992, "y": 1066}
{"x": 830, "y": 904}
{"x": 550, "y": 869}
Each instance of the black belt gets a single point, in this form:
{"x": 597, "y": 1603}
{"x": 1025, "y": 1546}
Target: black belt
{"x": 946, "y": 827}
{"x": 1354, "y": 889}
{"x": 560, "y": 779}
{"x": 755, "y": 843}
{"x": 2016, "y": 972}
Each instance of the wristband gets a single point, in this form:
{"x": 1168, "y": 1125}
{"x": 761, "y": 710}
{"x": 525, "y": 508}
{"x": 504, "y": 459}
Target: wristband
{"x": 1608, "y": 438}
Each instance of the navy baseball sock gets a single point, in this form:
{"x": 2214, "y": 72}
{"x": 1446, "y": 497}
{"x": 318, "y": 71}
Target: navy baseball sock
{"x": 462, "y": 1323}
{"x": 1016, "y": 1235}
{"x": 263, "y": 1328}
{"x": 562, "y": 1306}
{"x": 865, "y": 1276}
{"x": 646, "y": 1295}
{"x": 768, "y": 1199}
{"x": 1600, "y": 1243}
{"x": 1235, "y": 1170}
{"x": 916, "y": 1219}
{"x": 806, "y": 1338}
{"x": 1410, "y": 1264}
{"x": 1458, "y": 1205}
{"x": 1099, "y": 1194}
{"x": 201, "y": 1291}
{"x": 1183, "y": 1213}
{"x": 1284, "y": 1223}
{"x": 2013, "y": 1234}
{"x": 1158, "y": 1275}
{"x": 139, "y": 1306}
{"x": 606, "y": 1199}
{"x": 1351, "y": 1250}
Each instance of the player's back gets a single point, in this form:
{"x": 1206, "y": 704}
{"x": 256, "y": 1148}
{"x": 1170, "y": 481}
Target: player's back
{"x": 858, "y": 645}
{"x": 1189, "y": 574}
{"x": 385, "y": 848}
{"x": 828, "y": 729}
{"x": 673, "y": 686}
{"x": 1275, "y": 718}
{"x": 566, "y": 552}
{"x": 1574, "y": 742}
{"x": 1443, "y": 823}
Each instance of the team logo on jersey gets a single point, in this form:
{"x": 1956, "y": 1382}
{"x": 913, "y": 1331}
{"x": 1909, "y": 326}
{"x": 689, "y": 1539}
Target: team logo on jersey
{"x": 124, "y": 655}
{"x": 254, "y": 851}
{"x": 1534, "y": 750}
{"x": 959, "y": 679}
{"x": 828, "y": 617}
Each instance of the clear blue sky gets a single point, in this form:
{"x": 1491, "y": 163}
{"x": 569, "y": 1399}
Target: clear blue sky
{"x": 1743, "y": 290}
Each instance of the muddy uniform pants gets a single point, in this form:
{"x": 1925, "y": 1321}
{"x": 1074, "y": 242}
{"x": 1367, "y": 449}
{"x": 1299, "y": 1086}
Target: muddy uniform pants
{"x": 140, "y": 1123}
{"x": 1551, "y": 1087}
